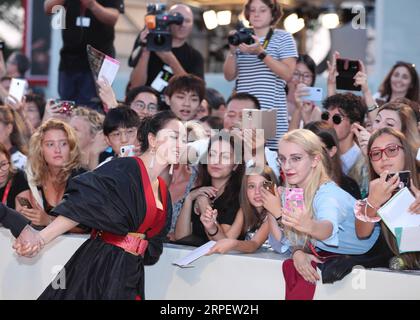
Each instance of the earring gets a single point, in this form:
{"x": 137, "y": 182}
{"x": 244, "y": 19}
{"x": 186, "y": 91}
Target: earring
{"x": 152, "y": 162}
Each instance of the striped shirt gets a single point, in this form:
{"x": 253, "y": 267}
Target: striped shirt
{"x": 256, "y": 78}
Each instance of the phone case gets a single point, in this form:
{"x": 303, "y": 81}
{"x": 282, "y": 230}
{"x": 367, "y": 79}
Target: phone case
{"x": 347, "y": 70}
{"x": 315, "y": 94}
{"x": 294, "y": 198}
{"x": 17, "y": 88}
{"x": 269, "y": 186}
{"x": 404, "y": 179}
{"x": 123, "y": 149}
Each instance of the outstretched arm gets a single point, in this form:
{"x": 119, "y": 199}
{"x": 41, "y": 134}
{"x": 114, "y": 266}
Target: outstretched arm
{"x": 59, "y": 226}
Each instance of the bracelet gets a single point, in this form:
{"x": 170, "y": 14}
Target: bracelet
{"x": 213, "y": 234}
{"x": 372, "y": 107}
{"x": 361, "y": 214}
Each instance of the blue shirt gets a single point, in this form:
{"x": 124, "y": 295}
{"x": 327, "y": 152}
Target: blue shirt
{"x": 335, "y": 205}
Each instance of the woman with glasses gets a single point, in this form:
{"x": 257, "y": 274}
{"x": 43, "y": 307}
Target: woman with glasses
{"x": 264, "y": 67}
{"x": 389, "y": 152}
{"x": 54, "y": 158}
{"x": 12, "y": 136}
{"x": 299, "y": 109}
{"x": 323, "y": 224}
{"x": 13, "y": 183}
{"x": 144, "y": 100}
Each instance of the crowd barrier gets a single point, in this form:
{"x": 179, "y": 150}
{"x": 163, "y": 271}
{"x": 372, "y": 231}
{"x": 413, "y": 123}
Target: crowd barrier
{"x": 231, "y": 276}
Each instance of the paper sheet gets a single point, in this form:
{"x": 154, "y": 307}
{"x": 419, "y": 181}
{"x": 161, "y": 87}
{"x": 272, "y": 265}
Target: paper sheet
{"x": 194, "y": 255}
{"x": 408, "y": 239}
{"x": 109, "y": 69}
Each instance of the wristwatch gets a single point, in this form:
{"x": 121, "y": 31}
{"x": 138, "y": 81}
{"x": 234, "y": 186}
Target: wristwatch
{"x": 262, "y": 55}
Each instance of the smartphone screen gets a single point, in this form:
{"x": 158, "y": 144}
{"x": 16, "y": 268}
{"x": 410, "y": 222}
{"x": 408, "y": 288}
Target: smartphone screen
{"x": 269, "y": 186}
{"x": 24, "y": 202}
{"x": 347, "y": 70}
{"x": 404, "y": 179}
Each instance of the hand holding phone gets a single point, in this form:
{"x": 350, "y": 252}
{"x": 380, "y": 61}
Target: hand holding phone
{"x": 314, "y": 94}
{"x": 17, "y": 88}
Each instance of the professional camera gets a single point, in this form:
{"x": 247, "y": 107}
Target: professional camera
{"x": 158, "y": 22}
{"x": 243, "y": 35}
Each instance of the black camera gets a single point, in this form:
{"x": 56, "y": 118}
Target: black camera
{"x": 158, "y": 22}
{"x": 243, "y": 35}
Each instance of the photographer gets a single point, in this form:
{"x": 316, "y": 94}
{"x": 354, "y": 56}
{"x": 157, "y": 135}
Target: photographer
{"x": 87, "y": 22}
{"x": 267, "y": 63}
{"x": 182, "y": 58}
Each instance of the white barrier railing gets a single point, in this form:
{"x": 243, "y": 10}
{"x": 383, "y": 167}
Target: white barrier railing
{"x": 231, "y": 276}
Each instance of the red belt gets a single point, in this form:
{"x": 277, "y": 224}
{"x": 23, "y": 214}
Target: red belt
{"x": 133, "y": 243}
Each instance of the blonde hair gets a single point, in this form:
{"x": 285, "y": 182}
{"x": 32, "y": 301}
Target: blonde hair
{"x": 17, "y": 137}
{"x": 36, "y": 159}
{"x": 94, "y": 118}
{"x": 408, "y": 121}
{"x": 314, "y": 147}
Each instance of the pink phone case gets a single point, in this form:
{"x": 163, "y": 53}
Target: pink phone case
{"x": 294, "y": 196}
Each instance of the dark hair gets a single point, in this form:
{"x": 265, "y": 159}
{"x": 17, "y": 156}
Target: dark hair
{"x": 22, "y": 62}
{"x": 133, "y": 93}
{"x": 352, "y": 106}
{"x": 153, "y": 125}
{"x": 39, "y": 102}
{"x": 214, "y": 98}
{"x": 412, "y": 93}
{"x": 120, "y": 117}
{"x": 274, "y": 5}
{"x": 412, "y": 259}
{"x": 231, "y": 194}
{"x": 5, "y": 78}
{"x": 244, "y": 96}
{"x": 309, "y": 63}
{"x": 329, "y": 137}
{"x": 186, "y": 83}
{"x": 213, "y": 122}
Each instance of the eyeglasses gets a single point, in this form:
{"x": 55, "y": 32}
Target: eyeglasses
{"x": 151, "y": 107}
{"x": 293, "y": 161}
{"x": 4, "y": 166}
{"x": 129, "y": 133}
{"x": 336, "y": 119}
{"x": 390, "y": 151}
{"x": 305, "y": 76}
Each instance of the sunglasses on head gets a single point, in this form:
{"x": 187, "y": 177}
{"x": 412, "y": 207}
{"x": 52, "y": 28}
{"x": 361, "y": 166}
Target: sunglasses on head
{"x": 337, "y": 118}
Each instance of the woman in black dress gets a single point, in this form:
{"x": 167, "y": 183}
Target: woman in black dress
{"x": 128, "y": 206}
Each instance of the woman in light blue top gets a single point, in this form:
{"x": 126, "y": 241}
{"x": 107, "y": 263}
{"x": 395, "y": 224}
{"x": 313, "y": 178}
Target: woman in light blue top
{"x": 326, "y": 222}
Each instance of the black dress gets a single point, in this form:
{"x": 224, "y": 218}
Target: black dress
{"x": 113, "y": 198}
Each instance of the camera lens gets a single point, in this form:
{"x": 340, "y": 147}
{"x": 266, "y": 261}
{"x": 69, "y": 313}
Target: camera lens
{"x": 233, "y": 40}
{"x": 159, "y": 40}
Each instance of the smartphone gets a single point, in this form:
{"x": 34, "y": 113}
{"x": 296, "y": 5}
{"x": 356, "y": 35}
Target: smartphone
{"x": 269, "y": 186}
{"x": 294, "y": 199}
{"x": 315, "y": 94}
{"x": 405, "y": 178}
{"x": 347, "y": 70}
{"x": 18, "y": 88}
{"x": 24, "y": 202}
{"x": 260, "y": 119}
{"x": 66, "y": 106}
{"x": 130, "y": 149}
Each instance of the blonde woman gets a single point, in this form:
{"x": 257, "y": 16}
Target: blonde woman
{"x": 54, "y": 157}
{"x": 326, "y": 224}
{"x": 87, "y": 124}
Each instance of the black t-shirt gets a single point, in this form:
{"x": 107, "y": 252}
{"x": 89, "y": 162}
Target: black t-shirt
{"x": 226, "y": 214}
{"x": 189, "y": 58}
{"x": 350, "y": 186}
{"x": 76, "y": 38}
{"x": 19, "y": 184}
